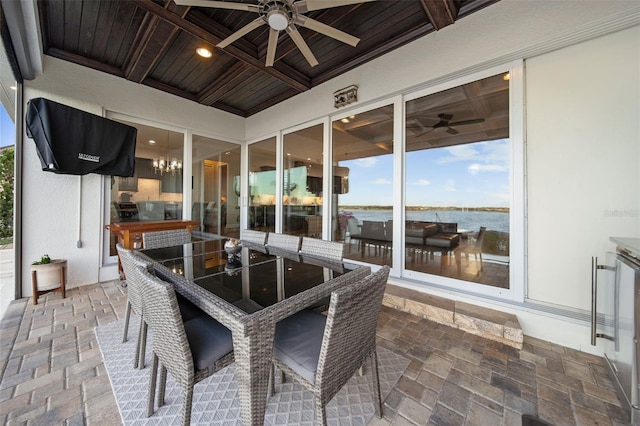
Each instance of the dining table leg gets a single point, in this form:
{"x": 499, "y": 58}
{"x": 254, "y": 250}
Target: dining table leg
{"x": 253, "y": 349}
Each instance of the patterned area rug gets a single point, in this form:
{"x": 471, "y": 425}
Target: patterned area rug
{"x": 215, "y": 400}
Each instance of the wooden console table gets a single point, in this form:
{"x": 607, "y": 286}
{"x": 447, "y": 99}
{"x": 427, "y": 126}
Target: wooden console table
{"x": 126, "y": 232}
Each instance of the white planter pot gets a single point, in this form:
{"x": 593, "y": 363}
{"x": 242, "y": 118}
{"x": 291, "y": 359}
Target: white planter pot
{"x": 48, "y": 277}
{"x": 49, "y": 274}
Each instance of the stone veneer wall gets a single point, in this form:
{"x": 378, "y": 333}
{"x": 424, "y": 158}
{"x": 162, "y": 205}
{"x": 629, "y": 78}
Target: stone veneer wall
{"x": 495, "y": 325}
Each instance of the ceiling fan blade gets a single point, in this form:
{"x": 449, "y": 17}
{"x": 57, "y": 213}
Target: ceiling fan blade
{"x": 302, "y": 45}
{"x": 309, "y": 5}
{"x": 327, "y": 30}
{"x": 241, "y": 32}
{"x": 218, "y": 5}
{"x": 452, "y": 131}
{"x": 271, "y": 48}
{"x": 463, "y": 122}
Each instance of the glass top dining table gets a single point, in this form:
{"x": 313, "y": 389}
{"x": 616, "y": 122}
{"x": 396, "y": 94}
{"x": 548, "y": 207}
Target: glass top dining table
{"x": 249, "y": 293}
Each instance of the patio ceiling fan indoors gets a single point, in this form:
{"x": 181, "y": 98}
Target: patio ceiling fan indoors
{"x": 282, "y": 15}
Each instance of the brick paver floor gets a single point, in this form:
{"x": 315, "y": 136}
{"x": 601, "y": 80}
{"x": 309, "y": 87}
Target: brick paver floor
{"x": 52, "y": 370}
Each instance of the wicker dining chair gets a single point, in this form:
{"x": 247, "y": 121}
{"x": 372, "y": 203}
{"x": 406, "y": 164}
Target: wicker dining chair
{"x": 159, "y": 239}
{"x": 253, "y": 237}
{"x": 322, "y": 248}
{"x": 190, "y": 351}
{"x": 286, "y": 242}
{"x": 323, "y": 352}
{"x": 129, "y": 262}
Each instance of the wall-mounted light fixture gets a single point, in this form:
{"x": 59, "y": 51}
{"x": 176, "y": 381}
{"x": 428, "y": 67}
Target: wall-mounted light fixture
{"x": 345, "y": 96}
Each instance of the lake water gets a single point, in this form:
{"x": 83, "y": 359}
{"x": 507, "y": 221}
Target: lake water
{"x": 466, "y": 220}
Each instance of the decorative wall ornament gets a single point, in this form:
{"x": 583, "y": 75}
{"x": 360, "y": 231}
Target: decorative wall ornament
{"x": 345, "y": 96}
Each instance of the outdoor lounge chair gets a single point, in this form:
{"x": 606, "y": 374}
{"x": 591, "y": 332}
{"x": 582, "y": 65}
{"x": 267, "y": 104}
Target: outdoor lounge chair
{"x": 323, "y": 352}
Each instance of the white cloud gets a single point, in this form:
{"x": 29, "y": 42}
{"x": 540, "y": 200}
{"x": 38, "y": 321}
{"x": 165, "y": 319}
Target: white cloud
{"x": 422, "y": 182}
{"x": 490, "y": 156}
{"x": 476, "y": 168}
{"x": 450, "y": 185}
{"x": 381, "y": 181}
{"x": 459, "y": 153}
{"x": 366, "y": 162}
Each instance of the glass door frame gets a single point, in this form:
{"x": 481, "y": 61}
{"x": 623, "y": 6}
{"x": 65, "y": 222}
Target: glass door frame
{"x": 107, "y": 259}
{"x": 326, "y": 184}
{"x": 517, "y": 179}
{"x": 398, "y": 160}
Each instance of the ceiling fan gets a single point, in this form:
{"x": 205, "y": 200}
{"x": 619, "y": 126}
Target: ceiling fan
{"x": 282, "y": 15}
{"x": 445, "y": 122}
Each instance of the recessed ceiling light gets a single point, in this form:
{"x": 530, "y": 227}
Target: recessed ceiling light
{"x": 345, "y": 120}
{"x": 506, "y": 77}
{"x": 152, "y": 142}
{"x": 204, "y": 52}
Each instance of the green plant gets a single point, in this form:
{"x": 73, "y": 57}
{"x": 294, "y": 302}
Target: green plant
{"x": 6, "y": 193}
{"x": 43, "y": 260}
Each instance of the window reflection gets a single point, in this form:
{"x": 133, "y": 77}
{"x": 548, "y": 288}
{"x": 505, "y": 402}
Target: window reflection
{"x": 457, "y": 167}
{"x": 363, "y": 157}
{"x": 302, "y": 182}
{"x": 216, "y": 203}
{"x": 154, "y": 192}
{"x": 262, "y": 185}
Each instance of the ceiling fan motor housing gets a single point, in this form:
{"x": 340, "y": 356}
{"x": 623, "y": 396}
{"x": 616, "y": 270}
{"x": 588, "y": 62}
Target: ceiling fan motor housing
{"x": 277, "y": 13}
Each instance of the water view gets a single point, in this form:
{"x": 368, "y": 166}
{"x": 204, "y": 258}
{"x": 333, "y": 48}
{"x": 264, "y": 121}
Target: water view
{"x": 468, "y": 220}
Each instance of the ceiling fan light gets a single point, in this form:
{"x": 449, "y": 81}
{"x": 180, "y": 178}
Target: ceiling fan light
{"x": 278, "y": 20}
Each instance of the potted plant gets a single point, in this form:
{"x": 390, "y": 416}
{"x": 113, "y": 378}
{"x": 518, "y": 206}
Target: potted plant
{"x": 46, "y": 275}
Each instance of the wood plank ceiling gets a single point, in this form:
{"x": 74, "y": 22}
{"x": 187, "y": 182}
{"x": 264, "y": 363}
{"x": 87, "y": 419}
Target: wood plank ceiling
{"x": 153, "y": 42}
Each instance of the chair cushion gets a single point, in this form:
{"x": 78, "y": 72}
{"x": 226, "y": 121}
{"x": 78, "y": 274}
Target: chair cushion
{"x": 298, "y": 340}
{"x": 188, "y": 309}
{"x": 209, "y": 341}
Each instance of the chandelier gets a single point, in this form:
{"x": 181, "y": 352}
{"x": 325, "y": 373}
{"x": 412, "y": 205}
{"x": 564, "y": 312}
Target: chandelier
{"x": 164, "y": 165}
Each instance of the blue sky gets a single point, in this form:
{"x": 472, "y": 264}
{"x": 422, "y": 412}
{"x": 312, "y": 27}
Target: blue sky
{"x": 7, "y": 129}
{"x": 469, "y": 175}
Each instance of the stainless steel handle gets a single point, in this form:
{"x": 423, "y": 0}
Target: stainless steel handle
{"x": 594, "y": 300}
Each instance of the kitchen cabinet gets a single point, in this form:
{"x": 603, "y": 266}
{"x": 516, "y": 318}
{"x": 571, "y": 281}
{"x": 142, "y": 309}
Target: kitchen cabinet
{"x": 171, "y": 183}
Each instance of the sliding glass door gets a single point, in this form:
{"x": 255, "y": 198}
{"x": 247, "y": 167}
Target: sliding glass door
{"x": 457, "y": 182}
{"x": 363, "y": 184}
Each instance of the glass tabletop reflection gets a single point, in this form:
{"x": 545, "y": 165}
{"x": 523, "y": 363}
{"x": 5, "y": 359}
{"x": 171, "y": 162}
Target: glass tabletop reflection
{"x": 251, "y": 280}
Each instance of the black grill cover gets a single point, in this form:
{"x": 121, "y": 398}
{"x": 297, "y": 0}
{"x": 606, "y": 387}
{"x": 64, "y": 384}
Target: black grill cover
{"x": 75, "y": 142}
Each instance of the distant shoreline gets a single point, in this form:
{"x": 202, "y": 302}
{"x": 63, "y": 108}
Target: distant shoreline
{"x": 426, "y": 208}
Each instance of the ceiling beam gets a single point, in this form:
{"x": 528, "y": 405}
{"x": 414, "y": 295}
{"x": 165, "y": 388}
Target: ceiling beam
{"x": 381, "y": 49}
{"x": 152, "y": 40}
{"x": 281, "y": 72}
{"x": 441, "y": 12}
{"x": 235, "y": 75}
{"x": 85, "y": 62}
